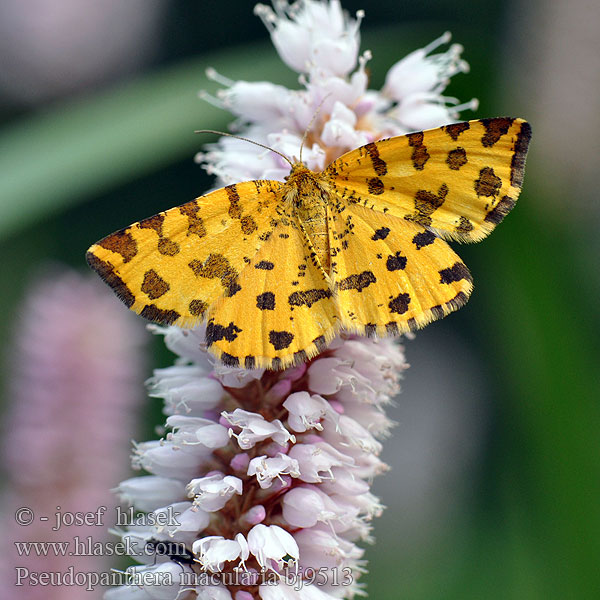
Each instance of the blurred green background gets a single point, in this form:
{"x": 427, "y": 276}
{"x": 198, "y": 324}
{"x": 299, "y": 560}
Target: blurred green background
{"x": 495, "y": 481}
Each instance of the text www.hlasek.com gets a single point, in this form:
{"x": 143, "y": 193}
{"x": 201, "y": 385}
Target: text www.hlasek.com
{"x": 83, "y": 547}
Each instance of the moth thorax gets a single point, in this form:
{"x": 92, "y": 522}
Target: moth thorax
{"x": 308, "y": 194}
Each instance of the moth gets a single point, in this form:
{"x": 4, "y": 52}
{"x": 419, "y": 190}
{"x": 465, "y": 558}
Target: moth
{"x": 277, "y": 269}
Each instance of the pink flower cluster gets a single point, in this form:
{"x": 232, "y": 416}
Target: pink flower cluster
{"x": 76, "y": 370}
{"x": 268, "y": 472}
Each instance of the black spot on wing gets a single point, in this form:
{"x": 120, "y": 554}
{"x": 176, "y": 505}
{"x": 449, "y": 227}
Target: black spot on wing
{"x": 370, "y": 330}
{"x": 229, "y": 361}
{"x": 464, "y": 225}
{"x": 248, "y": 225}
{"x": 379, "y": 164}
{"x": 155, "y": 223}
{"x": 217, "y": 266}
{"x": 235, "y": 211}
{"x": 195, "y": 222}
{"x": 197, "y": 307}
{"x": 121, "y": 242}
{"x": 308, "y": 297}
{"x": 399, "y": 304}
{"x": 500, "y": 210}
{"x": 375, "y": 186}
{"x": 494, "y": 130}
{"x": 455, "y": 129}
{"x": 456, "y": 272}
{"x": 159, "y": 315}
{"x": 216, "y": 332}
{"x": 265, "y": 265}
{"x": 419, "y": 155}
{"x": 517, "y": 164}
{"x": 437, "y": 312}
{"x": 154, "y": 286}
{"x": 425, "y": 238}
{"x": 168, "y": 247}
{"x": 265, "y": 301}
{"x": 381, "y": 234}
{"x": 280, "y": 339}
{"x": 300, "y": 357}
{"x": 456, "y": 158}
{"x": 233, "y": 288}
{"x": 426, "y": 203}
{"x": 396, "y": 262}
{"x": 320, "y": 343}
{"x": 488, "y": 183}
{"x": 391, "y": 328}
{"x": 165, "y": 246}
{"x": 358, "y": 281}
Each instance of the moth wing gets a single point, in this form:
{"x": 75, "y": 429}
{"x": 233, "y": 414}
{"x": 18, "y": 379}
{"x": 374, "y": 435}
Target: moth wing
{"x": 390, "y": 275}
{"x": 173, "y": 267}
{"x": 460, "y": 180}
{"x": 284, "y": 312}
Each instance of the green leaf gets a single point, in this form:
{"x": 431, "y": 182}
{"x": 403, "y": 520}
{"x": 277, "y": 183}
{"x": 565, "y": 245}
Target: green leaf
{"x": 50, "y": 160}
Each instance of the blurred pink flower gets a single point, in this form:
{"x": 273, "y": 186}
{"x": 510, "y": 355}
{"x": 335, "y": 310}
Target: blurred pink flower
{"x": 75, "y": 372}
{"x": 49, "y": 48}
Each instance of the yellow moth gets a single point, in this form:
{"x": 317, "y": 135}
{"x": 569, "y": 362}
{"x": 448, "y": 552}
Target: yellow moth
{"x": 276, "y": 269}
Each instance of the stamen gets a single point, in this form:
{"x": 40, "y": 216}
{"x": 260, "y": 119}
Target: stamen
{"x": 204, "y": 95}
{"x": 443, "y": 39}
{"x": 214, "y": 75}
{"x": 472, "y": 104}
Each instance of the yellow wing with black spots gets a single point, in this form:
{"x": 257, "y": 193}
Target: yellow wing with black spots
{"x": 276, "y": 269}
{"x": 284, "y": 312}
{"x": 391, "y": 276}
{"x": 173, "y": 267}
{"x": 460, "y": 180}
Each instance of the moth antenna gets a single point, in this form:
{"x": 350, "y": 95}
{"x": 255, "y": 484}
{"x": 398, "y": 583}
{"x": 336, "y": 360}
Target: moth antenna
{"x": 239, "y": 137}
{"x": 312, "y": 122}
